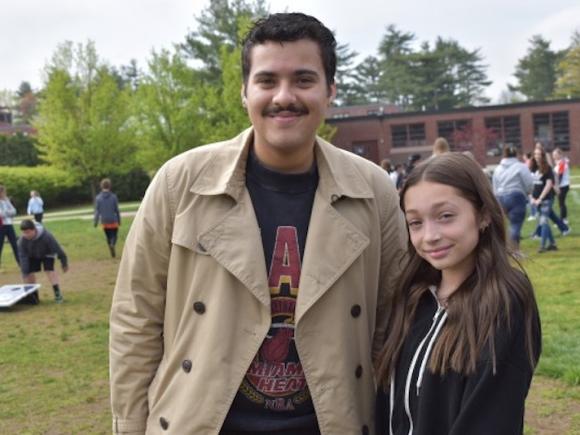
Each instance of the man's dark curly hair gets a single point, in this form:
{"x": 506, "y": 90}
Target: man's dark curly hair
{"x": 290, "y": 27}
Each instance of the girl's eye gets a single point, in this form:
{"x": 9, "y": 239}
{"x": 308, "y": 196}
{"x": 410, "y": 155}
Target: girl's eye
{"x": 446, "y": 216}
{"x": 413, "y": 224}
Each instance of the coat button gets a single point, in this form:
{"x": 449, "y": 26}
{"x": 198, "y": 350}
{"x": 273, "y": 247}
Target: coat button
{"x": 365, "y": 430}
{"x": 199, "y": 307}
{"x": 355, "y": 311}
{"x": 334, "y": 197}
{"x": 358, "y": 371}
{"x": 186, "y": 365}
{"x": 164, "y": 423}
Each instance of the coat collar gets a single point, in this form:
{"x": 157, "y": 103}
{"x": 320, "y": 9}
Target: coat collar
{"x": 226, "y": 171}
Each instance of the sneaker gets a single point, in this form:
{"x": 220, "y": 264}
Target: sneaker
{"x": 112, "y": 250}
{"x": 535, "y": 237}
{"x": 531, "y": 218}
{"x": 58, "y": 297}
{"x": 565, "y": 221}
{"x": 552, "y": 248}
{"x": 568, "y": 231}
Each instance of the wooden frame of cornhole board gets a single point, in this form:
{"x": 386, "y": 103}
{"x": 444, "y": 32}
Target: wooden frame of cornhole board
{"x": 10, "y": 294}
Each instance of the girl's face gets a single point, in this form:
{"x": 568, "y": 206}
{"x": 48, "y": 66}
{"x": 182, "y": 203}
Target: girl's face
{"x": 443, "y": 227}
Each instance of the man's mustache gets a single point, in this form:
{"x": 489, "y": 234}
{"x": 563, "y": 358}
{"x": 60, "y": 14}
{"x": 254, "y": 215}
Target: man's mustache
{"x": 292, "y": 108}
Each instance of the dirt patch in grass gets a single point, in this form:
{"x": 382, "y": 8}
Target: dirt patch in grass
{"x": 552, "y": 407}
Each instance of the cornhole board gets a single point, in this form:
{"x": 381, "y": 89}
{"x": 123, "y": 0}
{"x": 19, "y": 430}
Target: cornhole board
{"x": 10, "y": 294}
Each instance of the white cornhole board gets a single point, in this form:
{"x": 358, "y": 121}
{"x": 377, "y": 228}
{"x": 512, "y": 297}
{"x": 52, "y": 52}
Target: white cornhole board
{"x": 12, "y": 293}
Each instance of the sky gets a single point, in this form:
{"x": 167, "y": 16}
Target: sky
{"x": 31, "y": 30}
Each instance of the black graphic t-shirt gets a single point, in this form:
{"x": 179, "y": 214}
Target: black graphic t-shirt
{"x": 274, "y": 395}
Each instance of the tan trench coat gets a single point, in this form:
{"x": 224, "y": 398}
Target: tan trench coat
{"x": 192, "y": 305}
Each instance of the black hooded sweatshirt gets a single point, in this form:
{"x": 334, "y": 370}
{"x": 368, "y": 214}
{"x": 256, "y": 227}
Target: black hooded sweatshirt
{"x": 483, "y": 403}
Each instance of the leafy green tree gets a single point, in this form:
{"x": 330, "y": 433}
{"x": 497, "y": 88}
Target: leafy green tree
{"x": 219, "y": 25}
{"x": 221, "y": 102}
{"x": 568, "y": 84}
{"x": 536, "y": 71}
{"x": 83, "y": 122}
{"x": 166, "y": 109}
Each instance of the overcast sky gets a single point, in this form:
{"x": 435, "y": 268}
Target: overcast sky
{"x": 30, "y": 30}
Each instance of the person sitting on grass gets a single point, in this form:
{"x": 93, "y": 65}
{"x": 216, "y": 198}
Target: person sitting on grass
{"x": 37, "y": 247}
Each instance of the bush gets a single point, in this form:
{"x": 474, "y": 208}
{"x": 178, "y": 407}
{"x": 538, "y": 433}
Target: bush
{"x": 18, "y": 150}
{"x": 57, "y": 188}
{"x": 20, "y": 180}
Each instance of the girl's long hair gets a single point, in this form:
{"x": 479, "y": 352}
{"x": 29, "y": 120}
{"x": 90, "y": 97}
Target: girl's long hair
{"x": 543, "y": 165}
{"x": 482, "y": 302}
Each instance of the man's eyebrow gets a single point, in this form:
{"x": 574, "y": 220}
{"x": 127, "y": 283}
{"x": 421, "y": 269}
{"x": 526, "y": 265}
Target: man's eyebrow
{"x": 298, "y": 72}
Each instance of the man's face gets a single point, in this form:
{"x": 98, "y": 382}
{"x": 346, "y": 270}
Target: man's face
{"x": 286, "y": 97}
{"x": 29, "y": 234}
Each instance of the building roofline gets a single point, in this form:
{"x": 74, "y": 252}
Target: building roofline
{"x": 455, "y": 110}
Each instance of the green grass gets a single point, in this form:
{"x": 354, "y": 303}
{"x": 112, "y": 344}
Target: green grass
{"x": 54, "y": 358}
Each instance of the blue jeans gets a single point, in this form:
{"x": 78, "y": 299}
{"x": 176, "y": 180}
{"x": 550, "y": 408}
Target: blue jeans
{"x": 514, "y": 207}
{"x": 554, "y": 217}
{"x": 544, "y": 224}
{"x": 8, "y": 232}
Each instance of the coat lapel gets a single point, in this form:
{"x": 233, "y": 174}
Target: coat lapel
{"x": 235, "y": 242}
{"x": 332, "y": 245}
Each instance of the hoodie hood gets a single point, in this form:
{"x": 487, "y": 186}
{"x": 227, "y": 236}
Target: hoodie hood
{"x": 506, "y": 162}
{"x": 39, "y": 231}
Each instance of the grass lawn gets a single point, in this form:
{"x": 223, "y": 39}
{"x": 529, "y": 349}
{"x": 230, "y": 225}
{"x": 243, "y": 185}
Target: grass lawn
{"x": 54, "y": 358}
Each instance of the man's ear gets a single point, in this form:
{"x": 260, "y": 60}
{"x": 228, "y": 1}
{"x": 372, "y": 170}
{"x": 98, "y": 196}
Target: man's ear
{"x": 331, "y": 93}
{"x": 243, "y": 96}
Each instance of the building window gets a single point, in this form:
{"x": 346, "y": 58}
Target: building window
{"x": 367, "y": 149}
{"x": 457, "y": 133}
{"x": 407, "y": 135}
{"x": 502, "y": 131}
{"x": 552, "y": 130}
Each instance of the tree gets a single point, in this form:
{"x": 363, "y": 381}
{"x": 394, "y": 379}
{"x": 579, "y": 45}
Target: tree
{"x": 221, "y": 24}
{"x": 18, "y": 150}
{"x": 394, "y": 53}
{"x": 27, "y": 104}
{"x": 83, "y": 122}
{"x": 447, "y": 76}
{"x": 536, "y": 71}
{"x": 568, "y": 84}
{"x": 344, "y": 77}
{"x": 166, "y": 109}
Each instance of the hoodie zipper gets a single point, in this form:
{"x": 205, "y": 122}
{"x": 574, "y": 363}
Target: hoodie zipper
{"x": 437, "y": 323}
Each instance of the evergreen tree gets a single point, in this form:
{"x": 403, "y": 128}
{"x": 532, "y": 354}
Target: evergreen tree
{"x": 219, "y": 25}
{"x": 536, "y": 71}
{"x": 344, "y": 77}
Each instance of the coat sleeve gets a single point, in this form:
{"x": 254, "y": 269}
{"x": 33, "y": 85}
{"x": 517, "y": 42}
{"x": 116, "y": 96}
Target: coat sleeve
{"x": 137, "y": 313}
{"x": 493, "y": 403}
{"x": 394, "y": 240}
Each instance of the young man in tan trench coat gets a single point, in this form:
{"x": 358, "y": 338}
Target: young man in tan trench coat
{"x": 255, "y": 281}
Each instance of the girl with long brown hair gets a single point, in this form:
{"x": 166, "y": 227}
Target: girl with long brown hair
{"x": 464, "y": 334}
